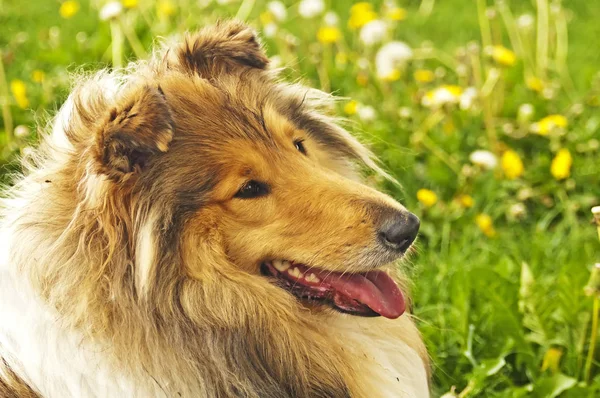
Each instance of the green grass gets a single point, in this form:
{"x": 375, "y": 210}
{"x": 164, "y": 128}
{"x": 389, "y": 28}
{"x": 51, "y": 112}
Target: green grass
{"x": 491, "y": 308}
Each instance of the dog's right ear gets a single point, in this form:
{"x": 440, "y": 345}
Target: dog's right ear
{"x": 138, "y": 127}
{"x": 223, "y": 47}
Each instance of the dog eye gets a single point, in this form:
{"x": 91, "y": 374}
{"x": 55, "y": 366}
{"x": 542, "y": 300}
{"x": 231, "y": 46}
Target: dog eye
{"x": 299, "y": 144}
{"x": 252, "y": 189}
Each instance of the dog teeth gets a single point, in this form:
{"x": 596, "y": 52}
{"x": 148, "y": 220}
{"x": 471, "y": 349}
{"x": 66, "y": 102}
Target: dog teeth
{"x": 281, "y": 265}
{"x": 295, "y": 272}
{"x": 312, "y": 278}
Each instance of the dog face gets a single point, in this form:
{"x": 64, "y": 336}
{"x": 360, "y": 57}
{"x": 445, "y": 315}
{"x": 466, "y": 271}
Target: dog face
{"x": 213, "y": 148}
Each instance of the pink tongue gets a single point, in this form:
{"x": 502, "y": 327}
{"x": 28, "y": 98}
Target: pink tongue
{"x": 375, "y": 289}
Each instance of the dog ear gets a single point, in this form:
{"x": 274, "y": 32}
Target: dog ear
{"x": 223, "y": 47}
{"x": 137, "y": 128}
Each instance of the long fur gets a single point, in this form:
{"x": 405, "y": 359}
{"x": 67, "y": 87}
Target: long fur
{"x": 127, "y": 270}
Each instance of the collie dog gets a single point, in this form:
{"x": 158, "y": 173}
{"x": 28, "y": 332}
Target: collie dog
{"x": 194, "y": 227}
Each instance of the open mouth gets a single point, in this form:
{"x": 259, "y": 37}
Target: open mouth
{"x": 372, "y": 293}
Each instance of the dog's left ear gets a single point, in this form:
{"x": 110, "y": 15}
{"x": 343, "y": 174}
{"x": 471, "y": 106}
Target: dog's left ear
{"x": 223, "y": 47}
{"x": 136, "y": 129}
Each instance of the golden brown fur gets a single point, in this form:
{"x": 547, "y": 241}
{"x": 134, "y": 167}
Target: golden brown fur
{"x": 141, "y": 248}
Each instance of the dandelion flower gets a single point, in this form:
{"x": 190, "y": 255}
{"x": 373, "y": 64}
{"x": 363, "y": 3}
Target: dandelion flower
{"x": 396, "y": 14}
{"x": 68, "y": 9}
{"x": 512, "y": 165}
{"x": 485, "y": 224}
{"x": 427, "y": 197}
{"x": 366, "y": 113}
{"x": 548, "y": 124}
{"x": 424, "y": 76}
{"x": 373, "y": 32}
{"x": 111, "y": 10}
{"x": 351, "y": 107}
{"x": 38, "y": 75}
{"x": 534, "y": 84}
{"x": 129, "y": 3}
{"x": 165, "y": 8}
{"x": 561, "y": 164}
{"x": 465, "y": 201}
{"x": 484, "y": 159}
{"x": 446, "y": 94}
{"x": 503, "y": 56}
{"x": 391, "y": 57}
{"x": 19, "y": 91}
{"x": 311, "y": 8}
{"x": 360, "y": 14}
{"x": 329, "y": 34}
{"x": 278, "y": 10}
{"x": 341, "y": 59}
{"x": 552, "y": 359}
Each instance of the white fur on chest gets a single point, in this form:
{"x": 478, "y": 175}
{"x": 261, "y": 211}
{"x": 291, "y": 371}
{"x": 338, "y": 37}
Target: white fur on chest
{"x": 391, "y": 367}
{"x": 51, "y": 359}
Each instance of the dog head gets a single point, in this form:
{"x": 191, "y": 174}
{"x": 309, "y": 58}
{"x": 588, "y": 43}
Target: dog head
{"x": 215, "y": 162}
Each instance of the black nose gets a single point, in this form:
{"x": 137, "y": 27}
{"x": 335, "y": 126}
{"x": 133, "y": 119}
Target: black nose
{"x": 399, "y": 231}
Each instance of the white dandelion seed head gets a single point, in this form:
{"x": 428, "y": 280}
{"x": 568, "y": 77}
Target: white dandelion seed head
{"x": 111, "y": 10}
{"x": 270, "y": 29}
{"x": 331, "y": 18}
{"x": 373, "y": 32}
{"x": 483, "y": 158}
{"x": 278, "y": 9}
{"x": 21, "y": 131}
{"x": 366, "y": 113}
{"x": 467, "y": 98}
{"x": 392, "y": 56}
{"x": 525, "y": 21}
{"x": 311, "y": 8}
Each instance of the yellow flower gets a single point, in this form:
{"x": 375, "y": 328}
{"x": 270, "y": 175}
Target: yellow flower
{"x": 511, "y": 164}
{"x": 129, "y": 3}
{"x": 424, "y": 76}
{"x": 68, "y": 9}
{"x": 503, "y": 56}
{"x": 484, "y": 222}
{"x": 427, "y": 197}
{"x": 351, "y": 107}
{"x": 394, "y": 75}
{"x": 552, "y": 359}
{"x": 465, "y": 200}
{"x": 341, "y": 59}
{"x": 165, "y": 8}
{"x": 396, "y": 14}
{"x": 549, "y": 123}
{"x": 329, "y": 34}
{"x": 561, "y": 164}
{"x": 266, "y": 18}
{"x": 38, "y": 76}
{"x": 360, "y": 14}
{"x": 534, "y": 83}
{"x": 19, "y": 91}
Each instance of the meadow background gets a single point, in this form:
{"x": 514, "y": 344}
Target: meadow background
{"x": 487, "y": 113}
